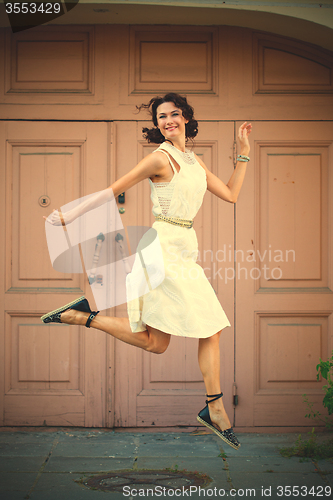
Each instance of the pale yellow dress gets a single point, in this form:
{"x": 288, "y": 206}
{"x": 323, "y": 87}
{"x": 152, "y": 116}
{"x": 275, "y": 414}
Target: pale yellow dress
{"x": 184, "y": 303}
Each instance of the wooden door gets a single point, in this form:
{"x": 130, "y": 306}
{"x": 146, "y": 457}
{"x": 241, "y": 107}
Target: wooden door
{"x": 284, "y": 286}
{"x": 168, "y": 389}
{"x": 50, "y": 374}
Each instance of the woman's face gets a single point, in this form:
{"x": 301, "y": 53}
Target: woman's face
{"x": 170, "y": 120}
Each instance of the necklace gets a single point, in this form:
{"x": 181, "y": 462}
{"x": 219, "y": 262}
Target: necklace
{"x": 187, "y": 156}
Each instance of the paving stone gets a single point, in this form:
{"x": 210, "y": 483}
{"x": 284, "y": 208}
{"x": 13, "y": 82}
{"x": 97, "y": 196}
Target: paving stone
{"x": 325, "y": 465}
{"x": 27, "y": 437}
{"x": 256, "y": 480}
{"x": 16, "y": 481}
{"x": 157, "y": 463}
{"x": 104, "y": 449}
{"x": 85, "y": 453}
{"x": 283, "y": 438}
{"x": 191, "y": 464}
{"x": 258, "y": 443}
{"x": 92, "y": 435}
{"x": 13, "y": 495}
{"x": 196, "y": 446}
{"x": 25, "y": 449}
{"x": 87, "y": 464}
{"x": 252, "y": 450}
{"x": 54, "y": 486}
{"x": 329, "y": 478}
{"x": 21, "y": 464}
{"x": 269, "y": 463}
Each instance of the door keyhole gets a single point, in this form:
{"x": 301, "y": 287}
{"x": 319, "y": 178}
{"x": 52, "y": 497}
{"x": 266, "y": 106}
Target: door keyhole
{"x": 44, "y": 201}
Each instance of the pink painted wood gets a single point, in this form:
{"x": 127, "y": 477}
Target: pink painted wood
{"x": 53, "y": 374}
{"x": 284, "y": 289}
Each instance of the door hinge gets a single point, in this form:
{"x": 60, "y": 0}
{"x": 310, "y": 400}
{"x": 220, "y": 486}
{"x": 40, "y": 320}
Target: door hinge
{"x": 235, "y": 395}
{"x": 234, "y": 153}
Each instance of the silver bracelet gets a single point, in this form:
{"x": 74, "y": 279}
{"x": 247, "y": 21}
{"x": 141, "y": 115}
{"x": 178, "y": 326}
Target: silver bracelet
{"x": 243, "y": 158}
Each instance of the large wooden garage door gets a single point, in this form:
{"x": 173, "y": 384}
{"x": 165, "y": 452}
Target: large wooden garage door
{"x": 284, "y": 286}
{"x": 59, "y": 375}
{"x": 53, "y": 374}
{"x": 168, "y": 389}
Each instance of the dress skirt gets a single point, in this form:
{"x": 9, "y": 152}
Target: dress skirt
{"x": 184, "y": 303}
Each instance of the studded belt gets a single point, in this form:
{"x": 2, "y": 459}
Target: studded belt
{"x": 176, "y": 221}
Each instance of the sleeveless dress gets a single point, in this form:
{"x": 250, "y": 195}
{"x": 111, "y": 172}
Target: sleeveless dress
{"x": 184, "y": 303}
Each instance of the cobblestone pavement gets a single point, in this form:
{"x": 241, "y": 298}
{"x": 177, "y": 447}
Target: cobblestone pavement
{"x": 61, "y": 464}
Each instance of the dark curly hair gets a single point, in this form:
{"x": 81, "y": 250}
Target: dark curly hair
{"x": 153, "y": 134}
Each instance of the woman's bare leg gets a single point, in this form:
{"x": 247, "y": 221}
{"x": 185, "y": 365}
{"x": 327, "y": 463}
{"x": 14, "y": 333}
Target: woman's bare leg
{"x": 209, "y": 362}
{"x": 151, "y": 339}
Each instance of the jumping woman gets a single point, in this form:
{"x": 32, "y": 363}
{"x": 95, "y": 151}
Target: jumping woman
{"x": 185, "y": 303}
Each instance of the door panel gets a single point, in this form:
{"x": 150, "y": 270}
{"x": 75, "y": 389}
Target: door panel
{"x": 150, "y": 389}
{"x": 53, "y": 373}
{"x": 284, "y": 297}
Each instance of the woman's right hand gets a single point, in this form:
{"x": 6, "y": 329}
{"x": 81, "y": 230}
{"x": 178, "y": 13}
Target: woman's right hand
{"x": 243, "y": 136}
{"x": 55, "y": 220}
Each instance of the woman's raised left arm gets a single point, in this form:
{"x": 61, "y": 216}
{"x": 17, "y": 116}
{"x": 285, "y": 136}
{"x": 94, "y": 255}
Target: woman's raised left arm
{"x": 230, "y": 191}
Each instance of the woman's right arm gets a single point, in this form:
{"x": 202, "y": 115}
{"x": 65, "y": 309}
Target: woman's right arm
{"x": 151, "y": 165}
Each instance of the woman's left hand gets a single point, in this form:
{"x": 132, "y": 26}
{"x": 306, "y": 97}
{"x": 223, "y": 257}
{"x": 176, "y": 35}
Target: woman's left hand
{"x": 56, "y": 219}
{"x": 243, "y": 136}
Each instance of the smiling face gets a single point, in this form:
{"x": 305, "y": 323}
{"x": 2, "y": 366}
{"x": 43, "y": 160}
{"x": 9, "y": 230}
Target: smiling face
{"x": 170, "y": 120}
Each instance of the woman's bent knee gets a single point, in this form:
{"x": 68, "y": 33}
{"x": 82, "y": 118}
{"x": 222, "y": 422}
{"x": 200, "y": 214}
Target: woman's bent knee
{"x": 158, "y": 341}
{"x": 157, "y": 347}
